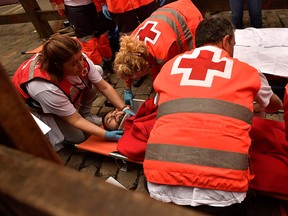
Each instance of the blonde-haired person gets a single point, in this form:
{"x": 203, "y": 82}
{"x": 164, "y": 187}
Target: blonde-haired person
{"x": 132, "y": 56}
{"x": 169, "y": 31}
{"x": 59, "y": 84}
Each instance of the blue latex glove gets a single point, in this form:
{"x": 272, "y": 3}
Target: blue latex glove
{"x": 106, "y": 12}
{"x": 162, "y": 2}
{"x": 128, "y": 111}
{"x": 128, "y": 98}
{"x": 114, "y": 135}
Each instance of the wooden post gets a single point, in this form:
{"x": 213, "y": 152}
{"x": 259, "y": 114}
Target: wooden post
{"x": 42, "y": 27}
{"x": 17, "y": 126}
{"x": 31, "y": 186}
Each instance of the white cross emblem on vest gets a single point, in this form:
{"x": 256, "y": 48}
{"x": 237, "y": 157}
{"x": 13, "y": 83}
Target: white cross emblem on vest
{"x": 199, "y": 76}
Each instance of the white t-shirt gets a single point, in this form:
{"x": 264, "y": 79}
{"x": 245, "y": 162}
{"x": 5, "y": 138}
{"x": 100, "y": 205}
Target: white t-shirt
{"x": 52, "y": 99}
{"x": 182, "y": 195}
{"x": 265, "y": 93}
{"x": 77, "y": 2}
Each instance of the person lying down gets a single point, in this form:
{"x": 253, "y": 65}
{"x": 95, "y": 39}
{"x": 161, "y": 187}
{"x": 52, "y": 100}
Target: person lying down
{"x": 114, "y": 120}
{"x": 136, "y": 128}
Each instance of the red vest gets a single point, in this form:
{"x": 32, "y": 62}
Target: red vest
{"x": 169, "y": 31}
{"x": 201, "y": 135}
{"x": 286, "y": 110}
{"x": 29, "y": 70}
{"x": 122, "y": 6}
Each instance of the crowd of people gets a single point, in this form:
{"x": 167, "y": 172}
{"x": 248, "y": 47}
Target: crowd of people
{"x": 196, "y": 130}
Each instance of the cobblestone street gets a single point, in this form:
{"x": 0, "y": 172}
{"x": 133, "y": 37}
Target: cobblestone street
{"x": 18, "y": 38}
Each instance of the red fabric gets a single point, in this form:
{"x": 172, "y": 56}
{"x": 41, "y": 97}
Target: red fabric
{"x": 124, "y": 6}
{"x": 91, "y": 49}
{"x": 269, "y": 157}
{"x": 286, "y": 110}
{"x": 98, "y": 5}
{"x": 137, "y": 130}
{"x": 103, "y": 45}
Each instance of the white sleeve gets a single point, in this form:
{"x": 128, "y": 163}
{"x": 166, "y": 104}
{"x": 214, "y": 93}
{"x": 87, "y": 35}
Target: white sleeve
{"x": 265, "y": 92}
{"x": 50, "y": 97}
{"x": 94, "y": 74}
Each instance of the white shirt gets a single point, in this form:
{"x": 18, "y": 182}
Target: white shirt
{"x": 77, "y": 2}
{"x": 52, "y": 99}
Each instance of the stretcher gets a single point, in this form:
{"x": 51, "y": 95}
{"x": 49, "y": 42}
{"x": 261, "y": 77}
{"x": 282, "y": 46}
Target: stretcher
{"x": 34, "y": 51}
{"x": 266, "y": 49}
{"x": 101, "y": 146}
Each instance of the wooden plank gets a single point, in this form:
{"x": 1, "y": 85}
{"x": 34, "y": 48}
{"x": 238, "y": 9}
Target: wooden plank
{"x": 275, "y": 4}
{"x": 42, "y": 27}
{"x": 14, "y": 18}
{"x": 46, "y": 15}
{"x": 7, "y": 2}
{"x": 32, "y": 186}
{"x": 223, "y": 5}
{"x": 18, "y": 128}
{"x": 40, "y": 18}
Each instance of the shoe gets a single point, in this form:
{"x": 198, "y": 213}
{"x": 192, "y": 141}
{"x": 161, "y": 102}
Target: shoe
{"x": 137, "y": 83}
{"x": 94, "y": 119}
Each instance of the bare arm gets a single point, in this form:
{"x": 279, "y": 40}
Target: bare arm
{"x": 266, "y": 99}
{"x": 79, "y": 122}
{"x": 274, "y": 105}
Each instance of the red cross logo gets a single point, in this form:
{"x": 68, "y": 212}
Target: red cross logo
{"x": 148, "y": 32}
{"x": 194, "y": 68}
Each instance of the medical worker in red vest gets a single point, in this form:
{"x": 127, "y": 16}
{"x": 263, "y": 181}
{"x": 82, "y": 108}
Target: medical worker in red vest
{"x": 128, "y": 14}
{"x": 168, "y": 32}
{"x": 59, "y": 84}
{"x": 197, "y": 153}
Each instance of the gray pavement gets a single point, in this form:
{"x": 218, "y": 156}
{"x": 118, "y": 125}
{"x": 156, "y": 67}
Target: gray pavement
{"x": 16, "y": 38}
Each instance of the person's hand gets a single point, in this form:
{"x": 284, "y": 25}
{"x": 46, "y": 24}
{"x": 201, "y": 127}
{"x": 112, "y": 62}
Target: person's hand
{"x": 106, "y": 12}
{"x": 128, "y": 98}
{"x": 162, "y": 2}
{"x": 128, "y": 111}
{"x": 114, "y": 135}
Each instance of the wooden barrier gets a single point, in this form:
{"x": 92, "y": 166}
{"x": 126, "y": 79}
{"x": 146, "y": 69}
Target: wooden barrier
{"x": 33, "y": 186}
{"x": 17, "y": 127}
{"x": 223, "y": 5}
{"x": 40, "y": 18}
{"x": 33, "y": 14}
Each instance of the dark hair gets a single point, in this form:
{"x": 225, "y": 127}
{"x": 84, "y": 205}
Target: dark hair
{"x": 213, "y": 30}
{"x": 55, "y": 52}
{"x": 103, "y": 122}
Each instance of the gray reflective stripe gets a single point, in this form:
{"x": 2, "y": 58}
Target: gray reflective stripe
{"x": 173, "y": 25}
{"x": 31, "y": 68}
{"x": 196, "y": 156}
{"x": 206, "y": 105}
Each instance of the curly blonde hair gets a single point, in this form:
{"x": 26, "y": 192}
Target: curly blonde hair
{"x": 131, "y": 57}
